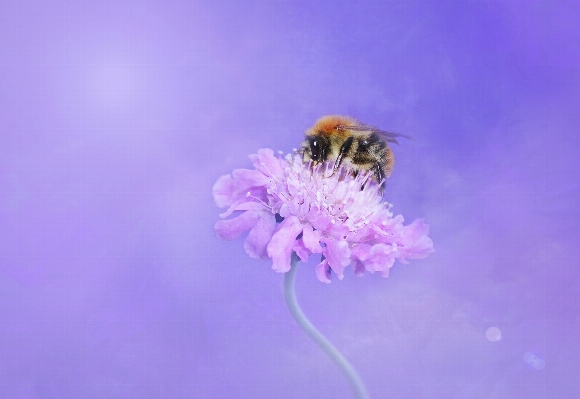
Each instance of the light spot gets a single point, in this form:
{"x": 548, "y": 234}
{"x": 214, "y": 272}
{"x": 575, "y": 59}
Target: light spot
{"x": 115, "y": 84}
{"x": 493, "y": 334}
{"x": 534, "y": 361}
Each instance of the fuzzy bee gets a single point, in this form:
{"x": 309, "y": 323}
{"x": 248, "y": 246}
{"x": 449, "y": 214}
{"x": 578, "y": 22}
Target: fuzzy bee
{"x": 344, "y": 140}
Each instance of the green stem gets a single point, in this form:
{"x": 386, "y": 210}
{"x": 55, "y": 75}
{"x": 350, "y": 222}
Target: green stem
{"x": 290, "y": 296}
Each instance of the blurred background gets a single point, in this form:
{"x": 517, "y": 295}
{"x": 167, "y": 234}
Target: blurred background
{"x": 116, "y": 118}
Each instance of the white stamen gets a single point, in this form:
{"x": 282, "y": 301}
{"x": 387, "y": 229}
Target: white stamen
{"x": 271, "y": 175}
{"x": 249, "y": 194}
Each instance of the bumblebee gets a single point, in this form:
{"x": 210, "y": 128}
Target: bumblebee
{"x": 345, "y": 141}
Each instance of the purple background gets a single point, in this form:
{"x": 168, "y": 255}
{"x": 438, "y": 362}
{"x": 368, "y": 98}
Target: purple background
{"x": 117, "y": 117}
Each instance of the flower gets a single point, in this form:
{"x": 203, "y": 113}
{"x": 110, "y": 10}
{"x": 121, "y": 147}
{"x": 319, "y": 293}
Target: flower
{"x": 288, "y": 205}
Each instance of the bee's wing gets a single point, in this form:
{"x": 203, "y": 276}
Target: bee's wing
{"x": 389, "y": 136}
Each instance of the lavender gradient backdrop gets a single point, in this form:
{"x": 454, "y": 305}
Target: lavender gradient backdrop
{"x": 117, "y": 117}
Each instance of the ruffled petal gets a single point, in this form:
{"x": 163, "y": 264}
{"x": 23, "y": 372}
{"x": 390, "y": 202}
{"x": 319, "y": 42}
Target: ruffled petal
{"x": 280, "y": 247}
{"x": 311, "y": 239}
{"x": 323, "y": 272}
{"x": 415, "y": 242}
{"x": 224, "y": 191}
{"x": 267, "y": 163}
{"x": 252, "y": 199}
{"x": 337, "y": 255}
{"x": 361, "y": 251}
{"x": 301, "y": 250}
{"x": 231, "y": 189}
{"x": 321, "y": 222}
{"x": 380, "y": 258}
{"x": 232, "y": 228}
{"x": 260, "y": 235}
{"x": 359, "y": 268}
{"x": 418, "y": 250}
{"x": 247, "y": 178}
{"x": 414, "y": 231}
{"x": 250, "y": 206}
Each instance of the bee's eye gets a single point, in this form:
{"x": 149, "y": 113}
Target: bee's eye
{"x": 363, "y": 145}
{"x": 315, "y": 150}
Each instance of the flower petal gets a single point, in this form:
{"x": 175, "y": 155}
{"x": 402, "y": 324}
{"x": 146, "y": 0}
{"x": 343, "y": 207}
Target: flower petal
{"x": 311, "y": 239}
{"x": 267, "y": 163}
{"x": 301, "y": 250}
{"x": 230, "y": 188}
{"x": 323, "y": 272}
{"x": 337, "y": 255}
{"x": 250, "y": 178}
{"x": 224, "y": 191}
{"x": 250, "y": 205}
{"x": 231, "y": 229}
{"x": 321, "y": 222}
{"x": 418, "y": 250}
{"x": 361, "y": 251}
{"x": 414, "y": 231}
{"x": 260, "y": 235}
{"x": 380, "y": 258}
{"x": 359, "y": 268}
{"x": 280, "y": 246}
{"x": 415, "y": 242}
{"x": 249, "y": 201}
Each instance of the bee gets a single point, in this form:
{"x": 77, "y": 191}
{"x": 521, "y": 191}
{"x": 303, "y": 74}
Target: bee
{"x": 344, "y": 140}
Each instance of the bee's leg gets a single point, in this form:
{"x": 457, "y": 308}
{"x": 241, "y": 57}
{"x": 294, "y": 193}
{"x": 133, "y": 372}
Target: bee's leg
{"x": 343, "y": 150}
{"x": 380, "y": 175}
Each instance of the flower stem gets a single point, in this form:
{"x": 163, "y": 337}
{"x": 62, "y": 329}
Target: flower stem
{"x": 290, "y": 296}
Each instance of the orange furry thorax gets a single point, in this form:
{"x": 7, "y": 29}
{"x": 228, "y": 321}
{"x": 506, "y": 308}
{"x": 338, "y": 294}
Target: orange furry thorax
{"x": 327, "y": 125}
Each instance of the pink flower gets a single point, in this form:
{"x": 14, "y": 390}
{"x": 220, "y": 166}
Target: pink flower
{"x": 289, "y": 206}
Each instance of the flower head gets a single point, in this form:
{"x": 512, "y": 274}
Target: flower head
{"x": 288, "y": 205}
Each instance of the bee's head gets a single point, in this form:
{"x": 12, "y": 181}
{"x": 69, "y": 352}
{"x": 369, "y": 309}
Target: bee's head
{"x": 316, "y": 148}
